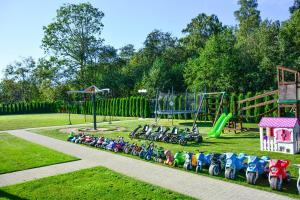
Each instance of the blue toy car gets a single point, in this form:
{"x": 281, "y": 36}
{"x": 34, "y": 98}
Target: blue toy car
{"x": 256, "y": 167}
{"x": 234, "y": 163}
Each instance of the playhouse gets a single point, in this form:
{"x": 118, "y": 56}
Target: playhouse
{"x": 280, "y": 134}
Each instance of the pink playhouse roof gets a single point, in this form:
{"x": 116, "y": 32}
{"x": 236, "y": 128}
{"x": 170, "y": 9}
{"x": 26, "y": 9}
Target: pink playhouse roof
{"x": 278, "y": 122}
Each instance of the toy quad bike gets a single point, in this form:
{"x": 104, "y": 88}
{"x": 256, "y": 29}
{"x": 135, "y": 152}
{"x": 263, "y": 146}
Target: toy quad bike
{"x": 193, "y": 135}
{"x": 133, "y": 132}
{"x": 147, "y": 153}
{"x": 136, "y": 149}
{"x": 119, "y": 145}
{"x": 179, "y": 159}
{"x": 159, "y": 155}
{"x": 128, "y": 148}
{"x": 256, "y": 167}
{"x": 190, "y": 161}
{"x": 217, "y": 164}
{"x": 169, "y": 157}
{"x": 298, "y": 181}
{"x": 105, "y": 143}
{"x": 278, "y": 173}
{"x": 99, "y": 142}
{"x": 112, "y": 144}
{"x": 233, "y": 164}
{"x": 202, "y": 160}
{"x": 70, "y": 136}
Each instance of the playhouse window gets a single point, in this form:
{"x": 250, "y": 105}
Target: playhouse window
{"x": 283, "y": 135}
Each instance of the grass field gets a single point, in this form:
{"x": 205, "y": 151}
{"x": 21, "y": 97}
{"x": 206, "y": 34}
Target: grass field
{"x": 17, "y": 154}
{"x": 94, "y": 183}
{"x": 11, "y": 122}
{"x": 247, "y": 142}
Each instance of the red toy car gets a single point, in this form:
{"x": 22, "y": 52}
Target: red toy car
{"x": 278, "y": 173}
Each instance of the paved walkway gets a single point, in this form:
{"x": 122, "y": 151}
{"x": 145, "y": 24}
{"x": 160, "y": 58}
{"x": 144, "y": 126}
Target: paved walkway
{"x": 194, "y": 185}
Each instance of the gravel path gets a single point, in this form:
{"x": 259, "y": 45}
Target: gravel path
{"x": 194, "y": 185}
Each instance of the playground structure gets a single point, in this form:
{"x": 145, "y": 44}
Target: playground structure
{"x": 197, "y": 104}
{"x": 92, "y": 90}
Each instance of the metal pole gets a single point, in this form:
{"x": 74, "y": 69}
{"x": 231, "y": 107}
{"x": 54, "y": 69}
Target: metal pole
{"x": 94, "y": 110}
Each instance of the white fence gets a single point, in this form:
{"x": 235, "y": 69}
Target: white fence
{"x": 269, "y": 145}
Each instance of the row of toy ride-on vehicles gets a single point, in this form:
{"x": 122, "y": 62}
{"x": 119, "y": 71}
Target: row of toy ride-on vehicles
{"x": 230, "y": 163}
{"x": 165, "y": 134}
{"x": 252, "y": 166}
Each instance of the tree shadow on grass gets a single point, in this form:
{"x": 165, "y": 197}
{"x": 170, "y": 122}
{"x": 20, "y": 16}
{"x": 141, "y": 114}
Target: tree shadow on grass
{"x": 10, "y": 196}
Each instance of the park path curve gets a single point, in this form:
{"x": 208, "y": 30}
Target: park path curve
{"x": 194, "y": 185}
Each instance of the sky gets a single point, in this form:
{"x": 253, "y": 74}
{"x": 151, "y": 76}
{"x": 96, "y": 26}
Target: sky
{"x": 125, "y": 22}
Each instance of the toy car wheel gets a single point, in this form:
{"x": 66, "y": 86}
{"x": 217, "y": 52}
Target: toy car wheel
{"x": 288, "y": 177}
{"x": 214, "y": 170}
{"x": 175, "y": 164}
{"x": 199, "y": 139}
{"x": 116, "y": 149}
{"x": 198, "y": 169}
{"x": 251, "y": 178}
{"x": 229, "y": 173}
{"x": 275, "y": 183}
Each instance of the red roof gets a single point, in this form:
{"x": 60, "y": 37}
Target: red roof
{"x": 278, "y": 122}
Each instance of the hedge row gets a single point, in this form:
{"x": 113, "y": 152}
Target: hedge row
{"x": 127, "y": 107}
{"x": 136, "y": 106}
{"x": 26, "y": 108}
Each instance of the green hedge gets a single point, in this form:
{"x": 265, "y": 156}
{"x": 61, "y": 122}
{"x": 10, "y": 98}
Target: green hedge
{"x": 136, "y": 107}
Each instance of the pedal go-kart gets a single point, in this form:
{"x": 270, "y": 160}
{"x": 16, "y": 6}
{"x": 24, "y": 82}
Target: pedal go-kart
{"x": 217, "y": 164}
{"x": 234, "y": 163}
{"x": 134, "y": 131}
{"x": 179, "y": 159}
{"x": 202, "y": 160}
{"x": 278, "y": 173}
{"x": 256, "y": 168}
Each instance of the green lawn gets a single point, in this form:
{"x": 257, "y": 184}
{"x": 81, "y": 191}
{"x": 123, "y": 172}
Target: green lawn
{"x": 94, "y": 183}
{"x": 11, "y": 122}
{"x": 17, "y": 154}
{"x": 247, "y": 142}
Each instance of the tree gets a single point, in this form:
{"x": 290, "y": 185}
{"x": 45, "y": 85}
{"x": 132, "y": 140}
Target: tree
{"x": 290, "y": 41}
{"x": 126, "y": 52}
{"x": 199, "y": 30}
{"x": 248, "y": 16}
{"x": 295, "y": 6}
{"x": 214, "y": 68}
{"x": 74, "y": 36}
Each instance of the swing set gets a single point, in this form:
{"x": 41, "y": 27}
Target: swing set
{"x": 91, "y": 91}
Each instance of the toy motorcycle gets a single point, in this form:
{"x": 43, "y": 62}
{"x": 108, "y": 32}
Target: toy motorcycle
{"x": 256, "y": 167}
{"x": 233, "y": 164}
{"x": 278, "y": 173}
{"x": 159, "y": 154}
{"x": 298, "y": 181}
{"x": 217, "y": 164}
{"x": 169, "y": 157}
{"x": 179, "y": 158}
{"x": 128, "y": 148}
{"x": 202, "y": 160}
{"x": 190, "y": 161}
{"x": 136, "y": 149}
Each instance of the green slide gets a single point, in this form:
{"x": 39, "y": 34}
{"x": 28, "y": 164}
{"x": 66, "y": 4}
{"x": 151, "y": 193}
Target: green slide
{"x": 219, "y": 126}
